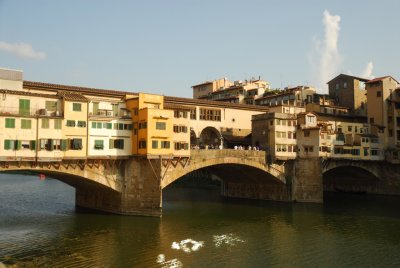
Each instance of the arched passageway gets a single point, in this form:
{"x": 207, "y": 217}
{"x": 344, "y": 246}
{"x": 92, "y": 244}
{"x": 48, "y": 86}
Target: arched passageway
{"x": 239, "y": 181}
{"x": 350, "y": 179}
{"x": 210, "y": 137}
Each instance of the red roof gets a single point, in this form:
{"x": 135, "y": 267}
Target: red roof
{"x": 380, "y": 79}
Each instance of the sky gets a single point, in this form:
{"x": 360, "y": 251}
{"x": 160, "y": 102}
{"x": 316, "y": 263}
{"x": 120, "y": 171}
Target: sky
{"x": 165, "y": 47}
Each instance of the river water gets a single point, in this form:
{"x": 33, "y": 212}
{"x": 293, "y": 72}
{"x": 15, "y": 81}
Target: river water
{"x": 39, "y": 227}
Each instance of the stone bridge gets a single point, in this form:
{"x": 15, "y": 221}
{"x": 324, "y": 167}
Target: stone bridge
{"x": 134, "y": 185}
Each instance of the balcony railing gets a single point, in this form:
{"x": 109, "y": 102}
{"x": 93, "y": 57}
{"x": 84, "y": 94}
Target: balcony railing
{"x": 15, "y": 111}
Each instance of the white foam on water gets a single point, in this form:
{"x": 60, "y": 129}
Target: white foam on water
{"x": 226, "y": 239}
{"x": 188, "y": 245}
{"x": 160, "y": 258}
{"x": 175, "y": 245}
{"x": 174, "y": 263}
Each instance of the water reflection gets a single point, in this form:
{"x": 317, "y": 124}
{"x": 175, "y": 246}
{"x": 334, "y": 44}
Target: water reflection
{"x": 40, "y": 227}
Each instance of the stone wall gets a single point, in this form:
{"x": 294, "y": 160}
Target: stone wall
{"x": 306, "y": 179}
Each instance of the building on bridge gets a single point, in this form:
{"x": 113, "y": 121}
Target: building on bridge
{"x": 243, "y": 92}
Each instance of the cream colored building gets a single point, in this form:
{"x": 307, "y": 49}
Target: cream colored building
{"x": 110, "y": 127}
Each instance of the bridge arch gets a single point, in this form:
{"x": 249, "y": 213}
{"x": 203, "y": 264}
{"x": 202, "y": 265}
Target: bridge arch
{"x": 75, "y": 175}
{"x": 233, "y": 162}
{"x": 351, "y": 176}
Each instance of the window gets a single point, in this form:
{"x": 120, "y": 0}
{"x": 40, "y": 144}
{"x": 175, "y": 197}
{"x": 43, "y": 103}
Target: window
{"x": 45, "y": 123}
{"x": 281, "y": 148}
{"x": 98, "y": 144}
{"x": 345, "y": 85}
{"x": 82, "y": 123}
{"x": 349, "y": 128}
{"x": 117, "y": 144}
{"x": 142, "y": 144}
{"x": 390, "y": 132}
{"x": 142, "y": 125}
{"x": 193, "y": 114}
{"x": 306, "y": 133}
{"x": 165, "y": 144}
{"x": 57, "y": 145}
{"x": 9, "y": 145}
{"x": 10, "y": 122}
{"x": 75, "y": 144}
{"x": 99, "y": 125}
{"x": 95, "y": 108}
{"x": 76, "y": 107}
{"x": 310, "y": 119}
{"x": 371, "y": 120}
{"x": 179, "y": 129}
{"x": 210, "y": 115}
{"x": 70, "y": 123}
{"x": 115, "y": 109}
{"x": 24, "y": 107}
{"x": 366, "y": 151}
{"x": 379, "y": 93}
{"x": 374, "y": 152}
{"x": 280, "y": 134}
{"x": 26, "y": 124}
{"x": 107, "y": 125}
{"x": 57, "y": 123}
{"x": 51, "y": 106}
{"x": 161, "y": 125}
{"x": 154, "y": 144}
{"x": 181, "y": 146}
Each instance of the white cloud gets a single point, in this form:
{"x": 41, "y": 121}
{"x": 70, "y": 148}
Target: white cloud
{"x": 367, "y": 73}
{"x": 328, "y": 57}
{"x": 22, "y": 50}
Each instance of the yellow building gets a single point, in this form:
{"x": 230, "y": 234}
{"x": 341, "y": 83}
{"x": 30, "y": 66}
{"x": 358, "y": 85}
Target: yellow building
{"x": 152, "y": 125}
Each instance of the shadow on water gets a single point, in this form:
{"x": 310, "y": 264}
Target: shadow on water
{"x": 39, "y": 227}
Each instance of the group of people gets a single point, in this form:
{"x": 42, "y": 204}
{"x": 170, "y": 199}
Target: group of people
{"x": 220, "y": 147}
{"x": 211, "y": 147}
{"x": 240, "y": 147}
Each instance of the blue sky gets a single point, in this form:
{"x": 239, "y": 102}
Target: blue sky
{"x": 165, "y": 47}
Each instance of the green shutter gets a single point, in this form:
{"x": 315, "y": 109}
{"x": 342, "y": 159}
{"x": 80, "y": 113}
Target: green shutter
{"x": 18, "y": 145}
{"x": 7, "y": 144}
{"x": 57, "y": 123}
{"x": 63, "y": 145}
{"x": 10, "y": 122}
{"x": 33, "y": 145}
{"x": 95, "y": 107}
{"x": 24, "y": 107}
{"x": 93, "y": 124}
{"x": 111, "y": 144}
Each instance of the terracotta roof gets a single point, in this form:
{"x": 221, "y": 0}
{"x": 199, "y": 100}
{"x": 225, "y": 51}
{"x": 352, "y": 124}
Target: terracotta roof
{"x": 72, "y": 96}
{"x": 25, "y": 93}
{"x": 56, "y": 87}
{"x": 380, "y": 79}
{"x": 210, "y": 103}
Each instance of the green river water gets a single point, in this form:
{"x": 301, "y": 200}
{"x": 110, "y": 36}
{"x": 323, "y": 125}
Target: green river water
{"x": 39, "y": 227}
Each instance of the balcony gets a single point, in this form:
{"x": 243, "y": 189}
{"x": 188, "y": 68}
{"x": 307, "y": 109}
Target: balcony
{"x": 15, "y": 111}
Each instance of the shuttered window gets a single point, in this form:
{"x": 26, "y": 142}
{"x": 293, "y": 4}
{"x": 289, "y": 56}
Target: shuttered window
{"x": 26, "y": 124}
{"x": 10, "y": 122}
{"x": 24, "y": 107}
